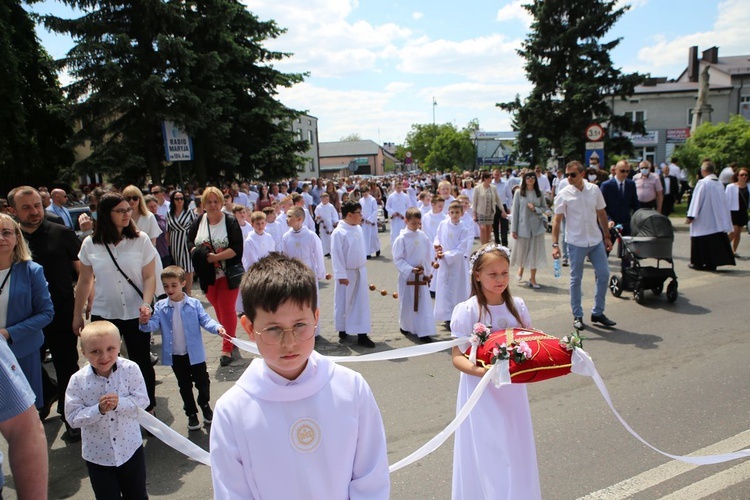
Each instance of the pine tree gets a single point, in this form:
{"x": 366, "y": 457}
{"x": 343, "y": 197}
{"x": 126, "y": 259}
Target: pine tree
{"x": 573, "y": 77}
{"x": 33, "y": 125}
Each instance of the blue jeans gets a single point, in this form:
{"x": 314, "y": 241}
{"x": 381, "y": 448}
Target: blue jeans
{"x": 598, "y": 256}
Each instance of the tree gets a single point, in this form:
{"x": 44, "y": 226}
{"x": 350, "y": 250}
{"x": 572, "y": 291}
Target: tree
{"x": 351, "y": 137}
{"x": 440, "y": 147}
{"x": 33, "y": 111}
{"x": 573, "y": 77}
{"x": 722, "y": 142}
{"x": 200, "y": 64}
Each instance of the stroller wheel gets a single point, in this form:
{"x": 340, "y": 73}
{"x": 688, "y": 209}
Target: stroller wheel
{"x": 615, "y": 286}
{"x": 672, "y": 291}
{"x": 638, "y": 294}
{"x": 658, "y": 289}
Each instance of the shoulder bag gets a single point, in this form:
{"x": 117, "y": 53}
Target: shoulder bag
{"x": 233, "y": 272}
{"x": 127, "y": 278}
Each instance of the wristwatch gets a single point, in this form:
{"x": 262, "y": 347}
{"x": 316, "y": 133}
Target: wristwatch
{"x": 555, "y": 245}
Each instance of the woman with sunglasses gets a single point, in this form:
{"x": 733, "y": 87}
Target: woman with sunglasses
{"x": 124, "y": 293}
{"x": 484, "y": 201}
{"x": 737, "y": 197}
{"x": 179, "y": 220}
{"x": 141, "y": 217}
{"x": 527, "y": 228}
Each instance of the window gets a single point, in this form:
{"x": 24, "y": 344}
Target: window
{"x": 636, "y": 116}
{"x": 299, "y": 134}
{"x": 309, "y": 122}
{"x": 745, "y": 106}
{"x": 310, "y": 137}
{"x": 690, "y": 117}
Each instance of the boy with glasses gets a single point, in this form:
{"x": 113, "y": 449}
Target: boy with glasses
{"x": 295, "y": 425}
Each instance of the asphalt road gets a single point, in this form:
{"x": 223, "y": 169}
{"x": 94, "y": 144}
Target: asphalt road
{"x": 678, "y": 373}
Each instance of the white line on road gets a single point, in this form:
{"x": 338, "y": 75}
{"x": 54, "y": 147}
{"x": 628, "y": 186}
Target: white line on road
{"x": 713, "y": 484}
{"x": 657, "y": 475}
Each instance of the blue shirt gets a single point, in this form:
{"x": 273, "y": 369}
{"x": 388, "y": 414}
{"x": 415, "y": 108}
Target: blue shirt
{"x": 16, "y": 395}
{"x": 63, "y": 213}
{"x": 193, "y": 318}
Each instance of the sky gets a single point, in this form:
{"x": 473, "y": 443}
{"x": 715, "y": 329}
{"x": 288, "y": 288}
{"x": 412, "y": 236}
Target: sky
{"x": 376, "y": 66}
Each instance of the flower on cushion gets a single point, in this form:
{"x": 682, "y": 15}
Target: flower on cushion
{"x": 572, "y": 341}
{"x": 481, "y": 333}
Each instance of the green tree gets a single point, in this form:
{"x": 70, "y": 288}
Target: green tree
{"x": 573, "y": 78}
{"x": 33, "y": 125}
{"x": 440, "y": 147}
{"x": 351, "y": 137}
{"x": 200, "y": 64}
{"x": 722, "y": 142}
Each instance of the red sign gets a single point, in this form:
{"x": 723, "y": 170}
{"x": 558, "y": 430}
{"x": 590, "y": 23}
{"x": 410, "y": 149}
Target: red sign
{"x": 678, "y": 134}
{"x": 594, "y": 132}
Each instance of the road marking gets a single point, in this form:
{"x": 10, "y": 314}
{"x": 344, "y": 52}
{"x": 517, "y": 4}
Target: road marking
{"x": 713, "y": 484}
{"x": 665, "y": 472}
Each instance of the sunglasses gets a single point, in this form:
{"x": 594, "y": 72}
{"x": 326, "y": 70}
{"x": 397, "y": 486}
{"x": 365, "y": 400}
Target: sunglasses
{"x": 226, "y": 196}
{"x": 178, "y": 198}
{"x": 132, "y": 198}
{"x": 156, "y": 192}
{"x": 743, "y": 175}
{"x": 530, "y": 176}
{"x": 624, "y": 171}
{"x": 572, "y": 175}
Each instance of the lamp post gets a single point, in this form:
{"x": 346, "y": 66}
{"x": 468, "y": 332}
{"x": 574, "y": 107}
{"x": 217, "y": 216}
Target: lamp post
{"x": 434, "y": 103}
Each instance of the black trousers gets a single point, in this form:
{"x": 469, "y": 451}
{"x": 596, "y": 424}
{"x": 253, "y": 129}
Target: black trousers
{"x": 127, "y": 481}
{"x": 667, "y": 204}
{"x": 63, "y": 345}
{"x": 502, "y": 224}
{"x": 139, "y": 352}
{"x": 187, "y": 375}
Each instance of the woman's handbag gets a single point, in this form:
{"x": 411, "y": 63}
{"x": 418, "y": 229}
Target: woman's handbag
{"x": 233, "y": 272}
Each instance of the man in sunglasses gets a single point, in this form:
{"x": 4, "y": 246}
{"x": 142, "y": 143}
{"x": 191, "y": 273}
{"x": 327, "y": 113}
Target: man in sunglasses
{"x": 161, "y": 199}
{"x": 583, "y": 206}
{"x": 621, "y": 197}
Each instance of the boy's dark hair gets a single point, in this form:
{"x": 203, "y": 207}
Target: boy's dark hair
{"x": 437, "y": 199}
{"x": 275, "y": 280}
{"x": 457, "y": 205}
{"x": 268, "y": 211}
{"x": 296, "y": 198}
{"x": 413, "y": 213}
{"x": 297, "y": 212}
{"x": 174, "y": 272}
{"x": 349, "y": 207}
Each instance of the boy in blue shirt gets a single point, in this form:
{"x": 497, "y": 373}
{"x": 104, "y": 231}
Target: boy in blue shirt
{"x": 180, "y": 319}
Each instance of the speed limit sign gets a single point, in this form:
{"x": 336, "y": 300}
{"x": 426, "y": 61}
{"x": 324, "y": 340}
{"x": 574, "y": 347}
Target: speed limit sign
{"x": 594, "y": 132}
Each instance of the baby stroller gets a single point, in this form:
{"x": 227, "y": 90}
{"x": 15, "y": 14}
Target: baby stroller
{"x": 652, "y": 238}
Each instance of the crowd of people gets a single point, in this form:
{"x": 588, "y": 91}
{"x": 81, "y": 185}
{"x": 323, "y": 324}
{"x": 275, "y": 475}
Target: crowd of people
{"x": 129, "y": 264}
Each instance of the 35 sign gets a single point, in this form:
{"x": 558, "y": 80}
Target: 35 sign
{"x": 594, "y": 132}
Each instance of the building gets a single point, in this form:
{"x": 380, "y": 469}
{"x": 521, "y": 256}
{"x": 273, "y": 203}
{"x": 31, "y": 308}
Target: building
{"x": 345, "y": 158}
{"x": 305, "y": 127}
{"x": 666, "y": 107}
{"x": 493, "y": 148}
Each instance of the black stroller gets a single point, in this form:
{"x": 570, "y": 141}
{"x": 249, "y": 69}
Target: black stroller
{"x": 652, "y": 238}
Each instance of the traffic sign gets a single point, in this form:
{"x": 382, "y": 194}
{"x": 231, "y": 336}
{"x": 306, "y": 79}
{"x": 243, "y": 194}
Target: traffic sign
{"x": 594, "y": 132}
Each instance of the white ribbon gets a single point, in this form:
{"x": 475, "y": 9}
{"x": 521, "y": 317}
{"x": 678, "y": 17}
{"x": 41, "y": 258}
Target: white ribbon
{"x": 170, "y": 437}
{"x": 583, "y": 365}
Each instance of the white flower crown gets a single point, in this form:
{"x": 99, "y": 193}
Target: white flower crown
{"x": 485, "y": 249}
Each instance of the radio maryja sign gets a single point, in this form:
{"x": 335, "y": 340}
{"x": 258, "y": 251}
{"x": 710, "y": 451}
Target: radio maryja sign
{"x": 178, "y": 146}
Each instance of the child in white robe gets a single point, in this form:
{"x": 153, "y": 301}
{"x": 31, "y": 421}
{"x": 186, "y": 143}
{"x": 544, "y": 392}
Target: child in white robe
{"x": 369, "y": 222}
{"x": 430, "y": 222}
{"x": 424, "y": 203}
{"x": 327, "y": 217}
{"x": 396, "y": 205}
{"x": 295, "y": 425}
{"x": 351, "y": 302}
{"x": 454, "y": 241}
{"x": 412, "y": 252}
{"x": 468, "y": 216}
{"x": 257, "y": 245}
{"x": 494, "y": 454}
{"x": 301, "y": 243}
{"x": 273, "y": 226}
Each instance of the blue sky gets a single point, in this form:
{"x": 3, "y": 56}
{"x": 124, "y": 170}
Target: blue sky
{"x": 375, "y": 66}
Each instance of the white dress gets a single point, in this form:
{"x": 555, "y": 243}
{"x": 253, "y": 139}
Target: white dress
{"x": 351, "y": 303}
{"x": 370, "y": 223}
{"x": 494, "y": 455}
{"x": 413, "y": 249}
{"x": 453, "y": 284}
{"x": 328, "y": 217}
{"x": 397, "y": 203}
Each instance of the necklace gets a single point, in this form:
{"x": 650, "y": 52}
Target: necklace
{"x": 7, "y": 276}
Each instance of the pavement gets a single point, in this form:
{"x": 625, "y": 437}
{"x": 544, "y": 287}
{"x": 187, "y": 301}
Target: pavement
{"x": 409, "y": 418}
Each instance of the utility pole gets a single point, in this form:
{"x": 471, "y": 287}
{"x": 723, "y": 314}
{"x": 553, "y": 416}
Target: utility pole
{"x": 434, "y": 103}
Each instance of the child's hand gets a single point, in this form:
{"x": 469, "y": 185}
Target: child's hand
{"x": 223, "y": 332}
{"x": 108, "y": 402}
{"x": 144, "y": 316}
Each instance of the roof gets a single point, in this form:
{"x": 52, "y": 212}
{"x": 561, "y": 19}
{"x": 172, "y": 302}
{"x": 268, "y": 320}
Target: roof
{"x": 674, "y": 87}
{"x": 733, "y": 65}
{"x": 348, "y": 148}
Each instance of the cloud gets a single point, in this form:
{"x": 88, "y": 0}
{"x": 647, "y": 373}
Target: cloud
{"x": 514, "y": 11}
{"x": 417, "y": 15}
{"x": 492, "y": 57}
{"x": 729, "y": 33}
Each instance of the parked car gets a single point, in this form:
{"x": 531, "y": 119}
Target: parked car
{"x": 75, "y": 212}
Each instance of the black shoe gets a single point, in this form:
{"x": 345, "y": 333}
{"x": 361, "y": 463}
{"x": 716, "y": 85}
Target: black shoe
{"x": 225, "y": 360}
{"x": 432, "y": 294}
{"x": 404, "y": 332}
{"x": 208, "y": 414}
{"x": 426, "y": 340}
{"x": 448, "y": 325}
{"x": 342, "y": 335}
{"x": 72, "y": 435}
{"x": 369, "y": 257}
{"x": 603, "y": 320}
{"x": 578, "y": 323}
{"x": 364, "y": 340}
{"x": 377, "y": 254}
{"x": 154, "y": 359}
{"x": 193, "y": 423}
{"x": 47, "y": 408}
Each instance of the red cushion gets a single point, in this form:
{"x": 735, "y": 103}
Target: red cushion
{"x": 549, "y": 359}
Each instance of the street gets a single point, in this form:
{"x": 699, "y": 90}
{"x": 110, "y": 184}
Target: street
{"x": 678, "y": 373}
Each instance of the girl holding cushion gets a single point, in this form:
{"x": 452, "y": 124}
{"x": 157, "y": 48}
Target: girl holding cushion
{"x": 494, "y": 454}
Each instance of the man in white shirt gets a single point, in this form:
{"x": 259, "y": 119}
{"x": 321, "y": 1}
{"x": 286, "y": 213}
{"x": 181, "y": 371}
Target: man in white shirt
{"x": 158, "y": 192}
{"x": 582, "y": 205}
{"x": 500, "y": 223}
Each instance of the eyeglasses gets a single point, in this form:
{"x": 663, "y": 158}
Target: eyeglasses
{"x": 743, "y": 175}
{"x": 7, "y": 234}
{"x": 178, "y": 198}
{"x": 133, "y": 198}
{"x": 156, "y": 192}
{"x": 530, "y": 176}
{"x": 273, "y": 334}
{"x": 572, "y": 175}
{"x": 226, "y": 196}
{"x": 122, "y": 211}
{"x": 624, "y": 171}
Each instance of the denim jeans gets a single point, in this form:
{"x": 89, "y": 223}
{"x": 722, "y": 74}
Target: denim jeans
{"x": 598, "y": 257}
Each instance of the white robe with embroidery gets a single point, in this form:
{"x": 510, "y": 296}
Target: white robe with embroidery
{"x": 430, "y": 223}
{"x": 327, "y": 217}
{"x": 306, "y": 246}
{"x": 370, "y": 223}
{"x": 413, "y": 249}
{"x": 453, "y": 285}
{"x": 320, "y": 436}
{"x": 255, "y": 247}
{"x": 494, "y": 455}
{"x": 351, "y": 303}
{"x": 397, "y": 203}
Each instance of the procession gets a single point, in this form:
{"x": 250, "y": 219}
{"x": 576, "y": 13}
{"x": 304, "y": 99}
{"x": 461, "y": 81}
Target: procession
{"x": 419, "y": 283}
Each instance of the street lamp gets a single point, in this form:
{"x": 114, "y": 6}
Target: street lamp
{"x": 434, "y": 103}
